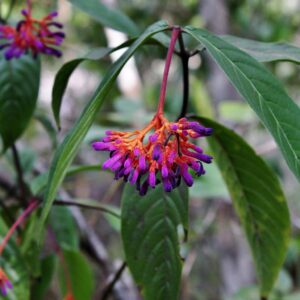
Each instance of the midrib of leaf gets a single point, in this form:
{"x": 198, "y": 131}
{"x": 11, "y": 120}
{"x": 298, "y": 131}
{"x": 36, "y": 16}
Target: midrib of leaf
{"x": 260, "y": 97}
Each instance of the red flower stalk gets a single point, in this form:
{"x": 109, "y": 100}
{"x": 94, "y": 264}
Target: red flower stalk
{"x": 168, "y": 154}
{"x": 32, "y": 34}
{"x": 5, "y": 284}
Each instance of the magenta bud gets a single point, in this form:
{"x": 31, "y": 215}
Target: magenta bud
{"x": 153, "y": 137}
{"x": 152, "y": 179}
{"x": 164, "y": 171}
{"x": 174, "y": 126}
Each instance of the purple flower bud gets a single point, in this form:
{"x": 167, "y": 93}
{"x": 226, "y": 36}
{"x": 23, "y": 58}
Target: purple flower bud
{"x": 152, "y": 179}
{"x": 187, "y": 177}
{"x": 128, "y": 162}
{"x": 110, "y": 162}
{"x": 174, "y": 126}
{"x": 167, "y": 184}
{"x": 99, "y": 146}
{"x": 134, "y": 176}
{"x": 156, "y": 154}
{"x": 136, "y": 151}
{"x": 201, "y": 170}
{"x": 153, "y": 137}
{"x": 144, "y": 188}
{"x": 142, "y": 163}
{"x": 172, "y": 156}
{"x": 164, "y": 171}
{"x": 205, "y": 158}
{"x": 197, "y": 149}
{"x": 53, "y": 14}
{"x": 116, "y": 165}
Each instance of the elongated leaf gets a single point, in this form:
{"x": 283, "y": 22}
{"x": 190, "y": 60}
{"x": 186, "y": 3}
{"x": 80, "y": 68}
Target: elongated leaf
{"x": 79, "y": 272}
{"x": 68, "y": 149}
{"x": 149, "y": 234}
{"x": 41, "y": 286}
{"x": 266, "y": 52}
{"x": 64, "y": 227}
{"x": 107, "y": 16}
{"x": 63, "y": 75}
{"x": 262, "y": 91}
{"x": 258, "y": 199}
{"x": 19, "y": 86}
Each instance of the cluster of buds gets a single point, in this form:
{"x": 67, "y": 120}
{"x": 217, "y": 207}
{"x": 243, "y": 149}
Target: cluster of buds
{"x": 32, "y": 34}
{"x": 166, "y": 157}
{"x": 5, "y": 284}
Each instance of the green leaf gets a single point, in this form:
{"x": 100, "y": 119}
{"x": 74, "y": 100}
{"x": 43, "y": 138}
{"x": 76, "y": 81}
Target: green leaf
{"x": 19, "y": 86}
{"x": 42, "y": 284}
{"x": 107, "y": 16}
{"x": 258, "y": 199}
{"x": 64, "y": 227}
{"x": 261, "y": 90}
{"x": 80, "y": 274}
{"x": 68, "y": 149}
{"x": 63, "y": 75}
{"x": 149, "y": 226}
{"x": 266, "y": 52}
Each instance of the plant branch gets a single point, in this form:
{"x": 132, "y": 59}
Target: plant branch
{"x": 109, "y": 288}
{"x": 184, "y": 55}
{"x": 32, "y": 206}
{"x": 19, "y": 171}
{"x": 97, "y": 206}
{"x": 175, "y": 32}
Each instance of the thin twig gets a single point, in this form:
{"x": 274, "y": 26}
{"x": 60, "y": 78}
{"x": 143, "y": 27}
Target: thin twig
{"x": 184, "y": 55}
{"x": 80, "y": 204}
{"x": 19, "y": 171}
{"x": 109, "y": 288}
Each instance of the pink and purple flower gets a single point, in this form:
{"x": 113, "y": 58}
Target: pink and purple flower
{"x": 167, "y": 156}
{"x": 39, "y": 36}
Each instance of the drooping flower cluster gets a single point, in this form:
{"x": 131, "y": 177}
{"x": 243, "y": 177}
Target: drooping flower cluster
{"x": 5, "y": 284}
{"x": 167, "y": 156}
{"x": 39, "y": 36}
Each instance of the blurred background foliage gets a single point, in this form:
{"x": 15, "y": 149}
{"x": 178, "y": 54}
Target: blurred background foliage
{"x": 218, "y": 263}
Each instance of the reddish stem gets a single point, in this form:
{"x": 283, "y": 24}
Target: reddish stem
{"x": 32, "y": 206}
{"x": 162, "y": 96}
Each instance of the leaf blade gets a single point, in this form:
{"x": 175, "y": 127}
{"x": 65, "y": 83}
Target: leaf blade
{"x": 107, "y": 16}
{"x": 17, "y": 104}
{"x": 259, "y": 201}
{"x": 263, "y": 92}
{"x": 149, "y": 234}
{"x": 266, "y": 52}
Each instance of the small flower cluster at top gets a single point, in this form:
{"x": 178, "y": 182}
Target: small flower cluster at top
{"x": 167, "y": 156}
{"x": 5, "y": 284}
{"x": 32, "y": 34}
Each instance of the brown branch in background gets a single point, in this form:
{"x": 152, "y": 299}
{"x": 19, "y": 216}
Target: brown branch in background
{"x": 19, "y": 171}
{"x": 110, "y": 286}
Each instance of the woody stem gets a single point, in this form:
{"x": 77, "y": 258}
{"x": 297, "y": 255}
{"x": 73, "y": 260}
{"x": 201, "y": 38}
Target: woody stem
{"x": 32, "y": 206}
{"x": 162, "y": 96}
